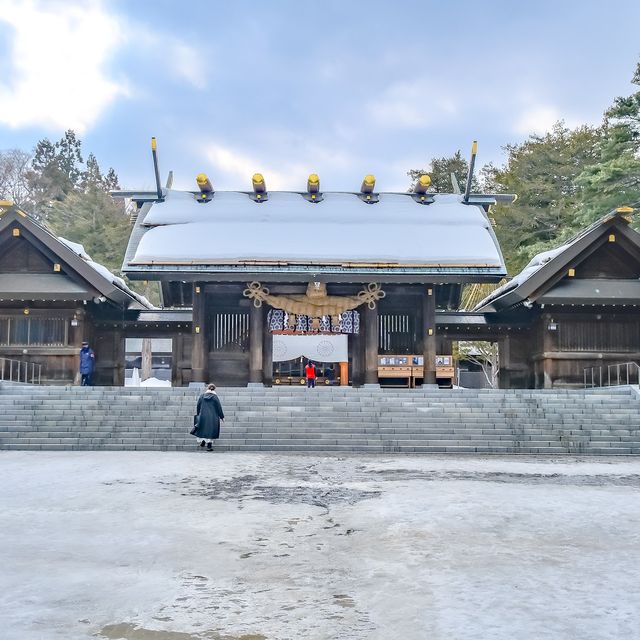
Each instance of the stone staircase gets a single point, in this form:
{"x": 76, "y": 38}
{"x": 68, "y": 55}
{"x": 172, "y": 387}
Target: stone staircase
{"x": 332, "y": 419}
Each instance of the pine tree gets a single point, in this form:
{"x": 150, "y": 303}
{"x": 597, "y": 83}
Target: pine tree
{"x": 69, "y": 155}
{"x": 91, "y": 177}
{"x": 57, "y": 170}
{"x": 46, "y": 178}
{"x": 110, "y": 181}
{"x": 614, "y": 179}
{"x": 93, "y": 219}
{"x": 440, "y": 170}
{"x": 542, "y": 172}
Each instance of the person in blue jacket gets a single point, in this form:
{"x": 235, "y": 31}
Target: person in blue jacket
{"x": 87, "y": 363}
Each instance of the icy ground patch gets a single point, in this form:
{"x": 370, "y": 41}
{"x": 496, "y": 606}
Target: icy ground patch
{"x": 195, "y": 546}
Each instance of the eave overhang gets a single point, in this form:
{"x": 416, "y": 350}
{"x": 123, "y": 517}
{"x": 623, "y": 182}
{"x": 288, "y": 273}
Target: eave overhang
{"x": 303, "y": 273}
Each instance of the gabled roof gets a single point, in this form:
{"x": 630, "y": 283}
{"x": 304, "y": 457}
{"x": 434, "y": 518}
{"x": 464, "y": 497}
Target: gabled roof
{"x": 546, "y": 269}
{"x": 234, "y": 236}
{"x": 42, "y": 286}
{"x": 93, "y": 277}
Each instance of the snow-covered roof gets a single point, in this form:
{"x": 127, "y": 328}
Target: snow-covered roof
{"x": 341, "y": 229}
{"x": 94, "y": 277}
{"x": 556, "y": 256}
{"x": 534, "y": 265}
{"x": 78, "y": 249}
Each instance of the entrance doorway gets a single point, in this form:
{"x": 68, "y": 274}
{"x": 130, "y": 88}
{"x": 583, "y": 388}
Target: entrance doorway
{"x": 291, "y": 353}
{"x": 478, "y": 364}
{"x": 292, "y": 372}
{"x": 148, "y": 362}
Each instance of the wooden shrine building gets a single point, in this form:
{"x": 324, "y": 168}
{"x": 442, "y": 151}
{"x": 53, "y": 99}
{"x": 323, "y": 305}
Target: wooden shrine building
{"x": 52, "y": 298}
{"x": 366, "y": 284}
{"x": 570, "y": 309}
{"x": 338, "y": 278}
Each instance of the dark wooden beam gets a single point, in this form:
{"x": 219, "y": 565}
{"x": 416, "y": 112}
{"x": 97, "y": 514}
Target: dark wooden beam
{"x": 357, "y": 358}
{"x": 547, "y": 345}
{"x": 256, "y": 320}
{"x": 200, "y": 350}
{"x": 267, "y": 353}
{"x": 429, "y": 329}
{"x": 370, "y": 317}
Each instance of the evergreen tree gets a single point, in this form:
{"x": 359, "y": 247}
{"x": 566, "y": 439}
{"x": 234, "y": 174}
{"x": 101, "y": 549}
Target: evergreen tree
{"x": 92, "y": 176}
{"x": 542, "y": 172}
{"x": 440, "y": 170}
{"x": 71, "y": 199}
{"x": 96, "y": 221}
{"x": 46, "y": 179}
{"x": 614, "y": 179}
{"x": 69, "y": 156}
{"x": 110, "y": 181}
{"x": 57, "y": 170}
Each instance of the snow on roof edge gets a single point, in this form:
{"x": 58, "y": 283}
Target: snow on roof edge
{"x": 79, "y": 250}
{"x": 540, "y": 260}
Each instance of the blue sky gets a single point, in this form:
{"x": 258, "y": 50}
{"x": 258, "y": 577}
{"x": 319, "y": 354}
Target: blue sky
{"x": 287, "y": 88}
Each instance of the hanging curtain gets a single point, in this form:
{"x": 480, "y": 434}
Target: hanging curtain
{"x": 318, "y": 348}
{"x": 346, "y": 322}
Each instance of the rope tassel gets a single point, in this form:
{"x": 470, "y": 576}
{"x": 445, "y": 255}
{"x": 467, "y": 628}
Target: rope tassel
{"x": 314, "y": 305}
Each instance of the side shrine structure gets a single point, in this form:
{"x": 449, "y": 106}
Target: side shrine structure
{"x": 572, "y": 315}
{"x": 340, "y": 278}
{"x": 53, "y": 297}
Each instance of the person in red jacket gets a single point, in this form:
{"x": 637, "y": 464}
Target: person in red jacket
{"x": 310, "y": 373}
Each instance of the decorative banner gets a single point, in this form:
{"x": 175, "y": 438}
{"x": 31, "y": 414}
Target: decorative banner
{"x": 321, "y": 348}
{"x": 346, "y": 322}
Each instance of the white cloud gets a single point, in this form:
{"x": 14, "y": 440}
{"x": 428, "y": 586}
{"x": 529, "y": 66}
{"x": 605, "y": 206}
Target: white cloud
{"x": 58, "y": 55}
{"x": 186, "y": 64}
{"x": 406, "y": 105}
{"x": 237, "y": 168}
{"x": 180, "y": 59}
{"x": 537, "y": 119}
{"x": 540, "y": 118}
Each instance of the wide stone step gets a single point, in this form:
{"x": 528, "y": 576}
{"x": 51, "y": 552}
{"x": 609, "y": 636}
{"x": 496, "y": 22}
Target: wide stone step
{"x": 328, "y": 419}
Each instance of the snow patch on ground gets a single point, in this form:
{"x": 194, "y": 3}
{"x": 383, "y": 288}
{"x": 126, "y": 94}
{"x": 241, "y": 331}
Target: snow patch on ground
{"x": 188, "y": 546}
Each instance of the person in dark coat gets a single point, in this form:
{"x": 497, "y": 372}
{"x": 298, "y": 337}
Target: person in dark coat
{"x": 87, "y": 363}
{"x": 210, "y": 415}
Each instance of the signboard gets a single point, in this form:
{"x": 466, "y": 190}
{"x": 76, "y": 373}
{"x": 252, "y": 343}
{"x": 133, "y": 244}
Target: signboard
{"x": 411, "y": 367}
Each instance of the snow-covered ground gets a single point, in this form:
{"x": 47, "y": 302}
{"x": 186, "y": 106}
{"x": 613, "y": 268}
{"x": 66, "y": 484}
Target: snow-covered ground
{"x": 187, "y": 546}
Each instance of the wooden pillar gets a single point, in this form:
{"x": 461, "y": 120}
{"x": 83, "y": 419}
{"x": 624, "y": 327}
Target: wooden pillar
{"x": 147, "y": 359}
{"x": 344, "y": 373}
{"x": 199, "y": 349}
{"x": 256, "y": 319}
{"x": 370, "y": 317}
{"x": 177, "y": 348}
{"x": 267, "y": 353}
{"x": 547, "y": 348}
{"x": 504, "y": 360}
{"x": 445, "y": 346}
{"x": 118, "y": 358}
{"x": 356, "y": 353}
{"x": 429, "y": 329}
{"x": 76, "y": 336}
